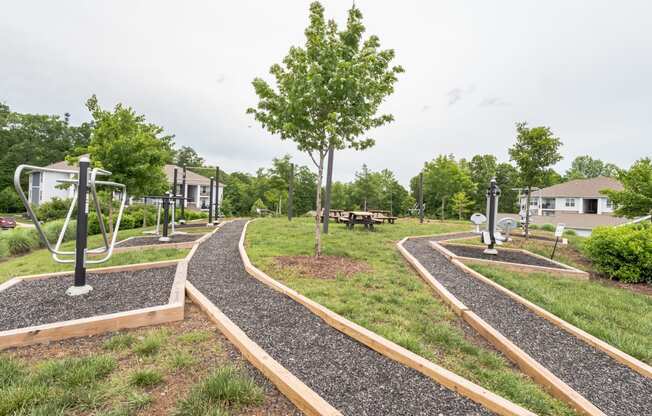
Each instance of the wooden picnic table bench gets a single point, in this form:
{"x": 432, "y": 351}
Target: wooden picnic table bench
{"x": 383, "y": 216}
{"x": 362, "y": 217}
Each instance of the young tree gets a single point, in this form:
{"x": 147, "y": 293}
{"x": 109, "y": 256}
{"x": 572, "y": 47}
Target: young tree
{"x": 460, "y": 203}
{"x": 636, "y": 199}
{"x": 328, "y": 92}
{"x": 187, "y": 156}
{"x": 535, "y": 150}
{"x": 133, "y": 150}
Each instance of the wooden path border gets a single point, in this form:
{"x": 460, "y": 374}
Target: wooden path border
{"x": 387, "y": 348}
{"x": 563, "y": 269}
{"x": 294, "y": 389}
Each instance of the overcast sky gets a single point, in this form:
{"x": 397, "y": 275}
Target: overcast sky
{"x": 473, "y": 69}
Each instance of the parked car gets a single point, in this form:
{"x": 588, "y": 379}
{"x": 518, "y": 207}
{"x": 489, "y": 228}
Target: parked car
{"x": 7, "y": 223}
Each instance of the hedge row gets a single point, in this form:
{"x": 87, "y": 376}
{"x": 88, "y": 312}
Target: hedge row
{"x": 623, "y": 253}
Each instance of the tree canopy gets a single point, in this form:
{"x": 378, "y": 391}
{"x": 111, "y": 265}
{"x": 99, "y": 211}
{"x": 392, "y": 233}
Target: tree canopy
{"x": 187, "y": 156}
{"x": 636, "y": 199}
{"x": 585, "y": 167}
{"x": 132, "y": 149}
{"x": 328, "y": 92}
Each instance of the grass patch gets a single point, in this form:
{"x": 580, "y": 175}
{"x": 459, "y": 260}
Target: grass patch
{"x": 392, "y": 300}
{"x": 194, "y": 337}
{"x": 180, "y": 359}
{"x": 616, "y": 316}
{"x": 119, "y": 342}
{"x": 145, "y": 378}
{"x": 151, "y": 344}
{"x": 226, "y": 388}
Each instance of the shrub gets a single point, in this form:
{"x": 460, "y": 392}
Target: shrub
{"x": 54, "y": 209}
{"x": 53, "y": 228}
{"x": 623, "y": 253}
{"x": 548, "y": 227}
{"x": 9, "y": 201}
{"x": 259, "y": 204}
{"x": 570, "y": 232}
{"x": 189, "y": 214}
{"x": 21, "y": 241}
{"x": 533, "y": 227}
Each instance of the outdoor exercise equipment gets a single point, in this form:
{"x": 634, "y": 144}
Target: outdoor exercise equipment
{"x": 210, "y": 203}
{"x": 168, "y": 219}
{"x": 421, "y": 207}
{"x": 216, "y": 219}
{"x": 84, "y": 184}
{"x": 489, "y": 236}
{"x": 507, "y": 225}
{"x": 159, "y": 206}
{"x": 478, "y": 219}
{"x": 182, "y": 220}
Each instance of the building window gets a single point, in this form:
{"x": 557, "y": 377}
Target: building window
{"x": 570, "y": 202}
{"x": 204, "y": 189}
{"x": 609, "y": 204}
{"x": 534, "y": 202}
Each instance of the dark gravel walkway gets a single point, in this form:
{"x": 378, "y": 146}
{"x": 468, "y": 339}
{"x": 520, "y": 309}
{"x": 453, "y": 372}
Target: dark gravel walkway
{"x": 611, "y": 386}
{"x": 353, "y": 378}
{"x": 153, "y": 240}
{"x": 503, "y": 255}
{"x": 43, "y": 301}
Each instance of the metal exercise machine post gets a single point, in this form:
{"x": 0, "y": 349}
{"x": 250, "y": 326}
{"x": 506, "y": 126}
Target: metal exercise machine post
{"x": 421, "y": 198}
{"x": 84, "y": 184}
{"x": 493, "y": 193}
{"x": 167, "y": 201}
{"x": 210, "y": 203}
{"x": 216, "y": 218}
{"x": 182, "y": 220}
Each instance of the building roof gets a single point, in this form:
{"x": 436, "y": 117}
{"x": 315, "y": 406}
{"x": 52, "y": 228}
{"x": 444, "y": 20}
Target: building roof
{"x": 574, "y": 219}
{"x": 580, "y": 188}
{"x": 192, "y": 178}
{"x": 63, "y": 164}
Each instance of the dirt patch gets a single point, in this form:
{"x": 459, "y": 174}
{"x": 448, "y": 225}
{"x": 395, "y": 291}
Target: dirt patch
{"x": 323, "y": 267}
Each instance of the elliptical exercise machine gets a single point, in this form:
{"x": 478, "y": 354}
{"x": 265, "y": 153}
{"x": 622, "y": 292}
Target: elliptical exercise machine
{"x": 83, "y": 184}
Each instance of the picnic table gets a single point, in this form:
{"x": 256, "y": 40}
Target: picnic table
{"x": 333, "y": 214}
{"x": 383, "y": 215}
{"x": 361, "y": 217}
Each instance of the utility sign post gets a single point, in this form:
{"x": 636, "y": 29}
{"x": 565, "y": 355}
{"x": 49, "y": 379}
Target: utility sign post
{"x": 559, "y": 232}
{"x": 493, "y": 193}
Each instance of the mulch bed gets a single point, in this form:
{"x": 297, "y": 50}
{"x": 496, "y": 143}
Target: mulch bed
{"x": 613, "y": 387}
{"x": 351, "y": 377}
{"x": 323, "y": 267}
{"x": 517, "y": 257}
{"x": 43, "y": 301}
{"x": 153, "y": 240}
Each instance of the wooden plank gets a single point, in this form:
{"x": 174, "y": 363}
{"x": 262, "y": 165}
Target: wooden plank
{"x": 294, "y": 389}
{"x": 531, "y": 367}
{"x": 90, "y": 326}
{"x": 387, "y": 348}
{"x": 618, "y": 355}
{"x": 455, "y": 304}
{"x": 178, "y": 291}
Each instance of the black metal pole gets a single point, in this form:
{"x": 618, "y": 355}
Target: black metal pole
{"x": 329, "y": 182}
{"x": 210, "y": 202}
{"x": 217, "y": 195}
{"x": 82, "y": 223}
{"x": 166, "y": 216}
{"x": 174, "y": 191}
{"x": 182, "y": 220}
{"x": 421, "y": 197}
{"x": 290, "y": 189}
{"x": 554, "y": 248}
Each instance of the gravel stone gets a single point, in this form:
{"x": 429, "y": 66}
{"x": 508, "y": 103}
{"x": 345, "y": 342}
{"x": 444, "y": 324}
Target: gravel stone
{"x": 611, "y": 386}
{"x": 153, "y": 240}
{"x": 351, "y": 377}
{"x": 503, "y": 255}
{"x": 43, "y": 301}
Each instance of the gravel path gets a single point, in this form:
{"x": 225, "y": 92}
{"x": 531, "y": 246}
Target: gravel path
{"x": 43, "y": 301}
{"x": 153, "y": 240}
{"x": 503, "y": 255}
{"x": 613, "y": 387}
{"x": 353, "y": 378}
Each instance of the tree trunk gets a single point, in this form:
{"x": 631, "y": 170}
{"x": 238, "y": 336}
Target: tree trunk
{"x": 527, "y": 212}
{"x": 329, "y": 183}
{"x": 320, "y": 174}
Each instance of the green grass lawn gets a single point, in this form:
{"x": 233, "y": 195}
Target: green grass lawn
{"x": 392, "y": 300}
{"x": 40, "y": 261}
{"x": 617, "y": 316}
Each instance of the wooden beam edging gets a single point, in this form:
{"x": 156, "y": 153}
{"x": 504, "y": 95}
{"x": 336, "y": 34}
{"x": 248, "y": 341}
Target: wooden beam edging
{"x": 527, "y": 364}
{"x": 618, "y": 355}
{"x": 565, "y": 271}
{"x": 294, "y": 389}
{"x": 389, "y": 349}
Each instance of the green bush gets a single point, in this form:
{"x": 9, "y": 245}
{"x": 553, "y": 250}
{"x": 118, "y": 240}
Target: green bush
{"x": 53, "y": 228}
{"x": 623, "y": 253}
{"x": 570, "y": 232}
{"x": 189, "y": 214}
{"x": 20, "y": 241}
{"x": 533, "y": 227}
{"x": 548, "y": 227}
{"x": 54, "y": 209}
{"x": 9, "y": 201}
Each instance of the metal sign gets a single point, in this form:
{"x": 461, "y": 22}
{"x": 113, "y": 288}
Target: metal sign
{"x": 559, "y": 231}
